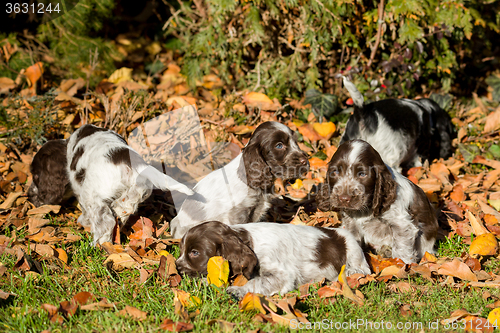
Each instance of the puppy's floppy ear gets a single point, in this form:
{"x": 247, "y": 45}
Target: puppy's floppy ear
{"x": 256, "y": 171}
{"x": 385, "y": 191}
{"x": 323, "y": 197}
{"x": 243, "y": 260}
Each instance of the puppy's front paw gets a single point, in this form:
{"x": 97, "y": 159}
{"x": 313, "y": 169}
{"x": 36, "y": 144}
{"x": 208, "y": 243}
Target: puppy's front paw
{"x": 385, "y": 251}
{"x": 237, "y": 292}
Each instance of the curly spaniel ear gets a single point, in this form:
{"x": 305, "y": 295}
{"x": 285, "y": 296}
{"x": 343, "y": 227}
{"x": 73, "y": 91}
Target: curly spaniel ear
{"x": 257, "y": 172}
{"x": 385, "y": 192}
{"x": 241, "y": 257}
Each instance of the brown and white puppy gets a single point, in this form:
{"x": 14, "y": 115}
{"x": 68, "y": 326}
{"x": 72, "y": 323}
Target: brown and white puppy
{"x": 241, "y": 191}
{"x": 380, "y": 207}
{"x": 110, "y": 179}
{"x": 50, "y": 180}
{"x": 276, "y": 258}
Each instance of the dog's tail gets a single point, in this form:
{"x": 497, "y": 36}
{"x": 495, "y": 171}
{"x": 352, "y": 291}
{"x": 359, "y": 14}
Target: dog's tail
{"x": 162, "y": 181}
{"x": 356, "y": 96}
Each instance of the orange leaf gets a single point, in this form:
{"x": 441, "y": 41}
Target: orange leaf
{"x": 83, "y": 297}
{"x": 171, "y": 326}
{"x": 492, "y": 121}
{"x": 457, "y": 269}
{"x": 329, "y": 291}
{"x": 251, "y": 302}
{"x": 308, "y": 132}
{"x": 255, "y": 97}
{"x": 325, "y": 129}
{"x": 317, "y": 163}
{"x": 33, "y": 73}
{"x": 458, "y": 194}
{"x": 478, "y": 227}
{"x": 134, "y": 313}
{"x": 484, "y": 245}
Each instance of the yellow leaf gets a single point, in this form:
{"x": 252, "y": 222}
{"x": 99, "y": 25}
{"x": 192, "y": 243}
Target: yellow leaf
{"x": 297, "y": 122}
{"x": 121, "y": 75}
{"x": 218, "y": 271}
{"x": 325, "y": 129}
{"x": 484, "y": 245}
{"x": 346, "y": 290}
{"x": 494, "y": 317}
{"x": 62, "y": 255}
{"x": 163, "y": 253}
{"x": 495, "y": 204}
{"x": 297, "y": 184}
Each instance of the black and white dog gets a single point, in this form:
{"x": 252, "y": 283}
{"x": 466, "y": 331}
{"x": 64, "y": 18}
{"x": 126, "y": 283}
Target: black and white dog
{"x": 241, "y": 191}
{"x": 110, "y": 179}
{"x": 276, "y": 258}
{"x": 403, "y": 131}
{"x": 381, "y": 208}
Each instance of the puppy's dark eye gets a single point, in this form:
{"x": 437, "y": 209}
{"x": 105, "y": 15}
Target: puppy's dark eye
{"x": 279, "y": 146}
{"x": 194, "y": 253}
{"x": 362, "y": 174}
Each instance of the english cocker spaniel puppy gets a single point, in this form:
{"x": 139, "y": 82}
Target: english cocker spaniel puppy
{"x": 50, "y": 181}
{"x": 381, "y": 208}
{"x": 241, "y": 191}
{"x": 276, "y": 258}
{"x": 110, "y": 179}
{"x": 403, "y": 131}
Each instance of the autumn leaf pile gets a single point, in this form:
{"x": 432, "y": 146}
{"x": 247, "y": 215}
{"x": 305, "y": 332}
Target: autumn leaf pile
{"x": 465, "y": 188}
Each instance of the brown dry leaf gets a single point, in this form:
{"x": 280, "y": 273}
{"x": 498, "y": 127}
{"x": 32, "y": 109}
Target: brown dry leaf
{"x": 11, "y": 199}
{"x": 45, "y": 209}
{"x": 83, "y": 297}
{"x": 68, "y": 308}
{"x": 171, "y": 326}
{"x": 317, "y": 163}
{"x": 457, "y": 269}
{"x": 6, "y": 84}
{"x": 346, "y": 290}
{"x": 394, "y": 270}
{"x": 110, "y": 248}
{"x": 492, "y": 121}
{"x": 186, "y": 299}
{"x": 35, "y": 223}
{"x": 34, "y": 73}
{"x": 260, "y": 100}
{"x": 43, "y": 250}
{"x": 455, "y": 315}
{"x": 378, "y": 263}
{"x": 4, "y": 295}
{"x": 121, "y": 261}
{"x": 53, "y": 313}
{"x": 134, "y": 313}
{"x": 401, "y": 287}
{"x": 474, "y": 264}
{"x": 102, "y": 304}
{"x": 476, "y": 224}
{"x": 490, "y": 163}
{"x": 484, "y": 245}
{"x": 487, "y": 209}
{"x": 224, "y": 326}
{"x": 329, "y": 291}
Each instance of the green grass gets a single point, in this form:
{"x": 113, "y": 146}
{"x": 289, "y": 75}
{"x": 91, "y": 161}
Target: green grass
{"x": 428, "y": 302}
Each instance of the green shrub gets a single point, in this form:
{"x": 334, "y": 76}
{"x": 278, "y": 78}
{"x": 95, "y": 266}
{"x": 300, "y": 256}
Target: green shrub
{"x": 289, "y": 46}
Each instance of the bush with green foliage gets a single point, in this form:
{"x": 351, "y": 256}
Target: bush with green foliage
{"x": 289, "y": 46}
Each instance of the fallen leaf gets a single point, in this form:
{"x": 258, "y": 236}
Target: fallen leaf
{"x": 34, "y": 73}
{"x": 62, "y": 255}
{"x": 325, "y": 129}
{"x": 308, "y": 131}
{"x": 457, "y": 269}
{"x": 251, "y": 302}
{"x": 240, "y": 281}
{"x": 4, "y": 295}
{"x": 68, "y": 308}
{"x": 494, "y": 317}
{"x": 218, "y": 271}
{"x": 346, "y": 290}
{"x": 224, "y": 326}
{"x": 458, "y": 194}
{"x": 121, "y": 75}
{"x": 45, "y": 209}
{"x": 186, "y": 299}
{"x": 11, "y": 199}
{"x": 329, "y": 291}
{"x": 492, "y": 121}
{"x": 484, "y": 245}
{"x": 479, "y": 229}
{"x": 6, "y": 84}
{"x": 120, "y": 261}
{"x": 171, "y": 326}
{"x": 83, "y": 297}
{"x": 317, "y": 163}
{"x": 134, "y": 313}
{"x": 102, "y": 304}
